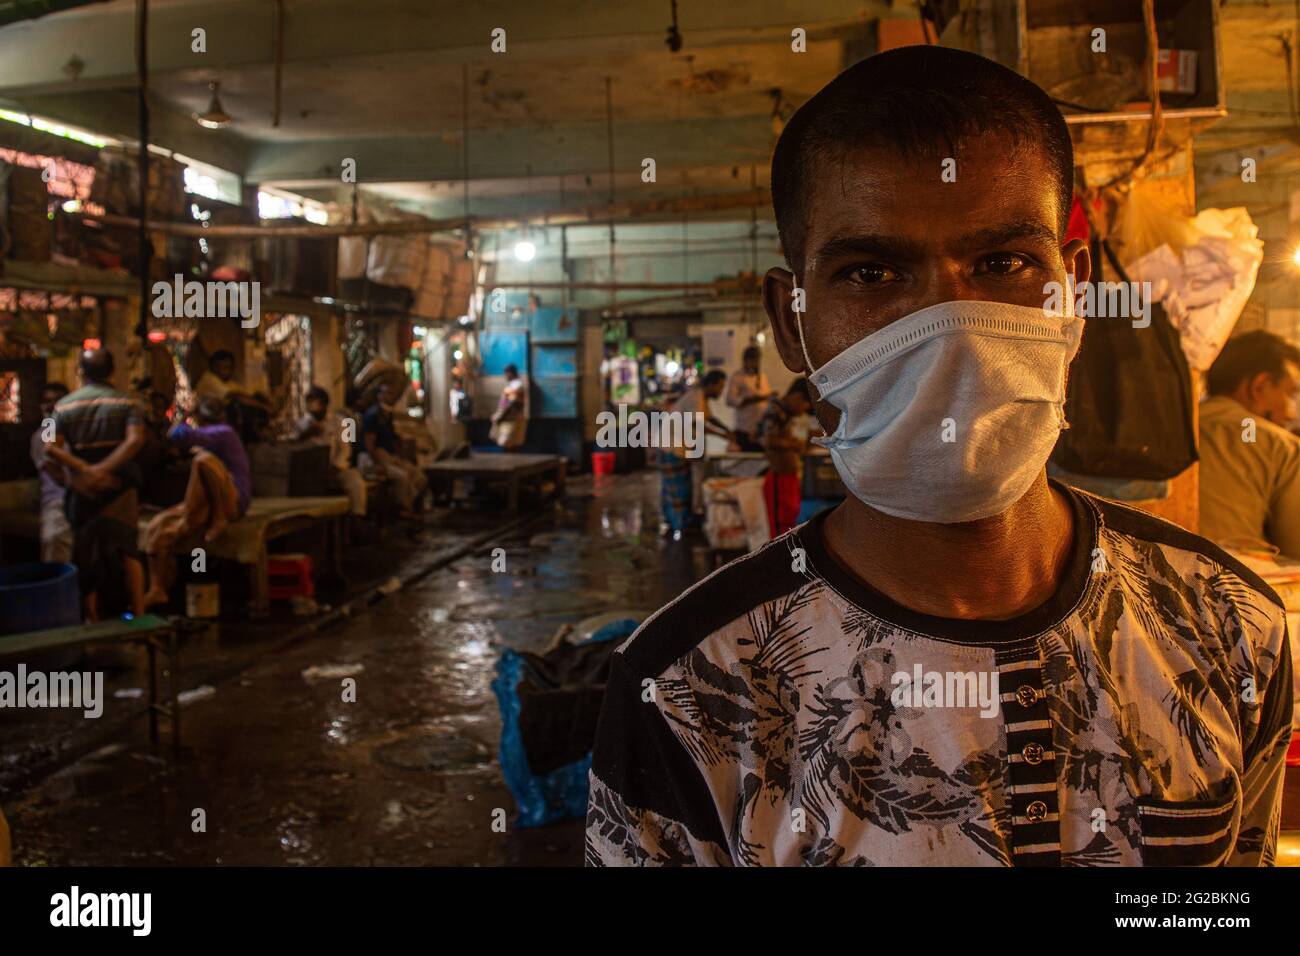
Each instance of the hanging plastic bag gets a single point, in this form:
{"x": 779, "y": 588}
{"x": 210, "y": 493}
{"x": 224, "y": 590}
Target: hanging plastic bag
{"x": 1204, "y": 285}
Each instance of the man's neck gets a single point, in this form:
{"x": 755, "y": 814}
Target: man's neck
{"x": 1242, "y": 398}
{"x": 993, "y": 569}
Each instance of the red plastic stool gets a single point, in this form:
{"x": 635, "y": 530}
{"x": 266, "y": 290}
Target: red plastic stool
{"x": 289, "y": 576}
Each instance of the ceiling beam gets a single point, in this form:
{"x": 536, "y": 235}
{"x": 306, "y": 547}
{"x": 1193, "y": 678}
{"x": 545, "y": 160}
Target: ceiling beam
{"x": 509, "y": 153}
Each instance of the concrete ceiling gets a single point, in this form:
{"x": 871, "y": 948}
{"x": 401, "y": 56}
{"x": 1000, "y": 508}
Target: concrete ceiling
{"x": 382, "y": 83}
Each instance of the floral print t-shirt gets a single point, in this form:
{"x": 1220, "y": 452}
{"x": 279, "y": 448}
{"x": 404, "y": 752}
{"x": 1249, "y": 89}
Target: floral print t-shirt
{"x": 782, "y": 713}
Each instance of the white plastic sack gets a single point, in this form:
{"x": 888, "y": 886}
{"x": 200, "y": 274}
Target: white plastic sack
{"x": 1205, "y": 289}
{"x": 397, "y": 260}
{"x": 735, "y": 515}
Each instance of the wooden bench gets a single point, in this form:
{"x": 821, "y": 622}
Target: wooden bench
{"x": 245, "y": 541}
{"x": 156, "y": 633}
{"x": 509, "y": 469}
{"x": 267, "y": 519}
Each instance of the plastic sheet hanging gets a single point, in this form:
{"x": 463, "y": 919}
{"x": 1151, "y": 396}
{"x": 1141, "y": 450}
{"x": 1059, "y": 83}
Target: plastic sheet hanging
{"x": 1202, "y": 270}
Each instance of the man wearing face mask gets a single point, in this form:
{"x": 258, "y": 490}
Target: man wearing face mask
{"x": 1250, "y": 463}
{"x": 964, "y": 663}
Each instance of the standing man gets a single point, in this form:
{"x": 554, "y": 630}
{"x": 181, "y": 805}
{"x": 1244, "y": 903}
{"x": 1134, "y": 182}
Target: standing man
{"x": 681, "y": 476}
{"x": 748, "y": 393}
{"x": 781, "y": 490}
{"x": 56, "y": 534}
{"x": 964, "y": 663}
{"x": 510, "y": 420}
{"x": 381, "y": 451}
{"x": 1250, "y": 462}
{"x": 98, "y": 432}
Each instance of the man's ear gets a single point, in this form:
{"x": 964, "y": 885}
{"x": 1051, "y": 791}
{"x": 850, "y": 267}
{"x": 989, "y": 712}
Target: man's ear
{"x": 1259, "y": 383}
{"x": 1078, "y": 261}
{"x": 779, "y": 286}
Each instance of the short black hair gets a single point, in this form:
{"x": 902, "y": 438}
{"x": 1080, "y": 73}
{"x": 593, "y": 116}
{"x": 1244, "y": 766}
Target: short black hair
{"x": 221, "y": 355}
{"x": 917, "y": 99}
{"x": 1245, "y": 356}
{"x": 97, "y": 364}
{"x": 55, "y": 387}
{"x": 714, "y": 377}
{"x": 210, "y": 411}
{"x": 318, "y": 394}
{"x": 511, "y": 369}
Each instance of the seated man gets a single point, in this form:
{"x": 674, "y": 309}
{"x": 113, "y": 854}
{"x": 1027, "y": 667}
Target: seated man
{"x": 56, "y": 534}
{"x": 247, "y": 411}
{"x": 785, "y": 449}
{"x": 1250, "y": 463}
{"x": 218, "y": 493}
{"x": 321, "y": 425}
{"x": 380, "y": 453}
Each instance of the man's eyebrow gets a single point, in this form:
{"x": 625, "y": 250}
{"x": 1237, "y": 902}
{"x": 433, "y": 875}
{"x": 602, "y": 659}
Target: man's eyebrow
{"x": 1007, "y": 232}
{"x": 884, "y": 246}
{"x": 898, "y": 248}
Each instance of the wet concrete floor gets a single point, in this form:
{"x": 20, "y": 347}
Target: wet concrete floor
{"x": 285, "y": 771}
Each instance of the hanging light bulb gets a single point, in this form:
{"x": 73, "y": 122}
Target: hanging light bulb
{"x": 525, "y": 250}
{"x": 214, "y": 117}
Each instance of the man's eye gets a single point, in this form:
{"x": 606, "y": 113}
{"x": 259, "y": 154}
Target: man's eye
{"x": 1003, "y": 264}
{"x": 873, "y": 274}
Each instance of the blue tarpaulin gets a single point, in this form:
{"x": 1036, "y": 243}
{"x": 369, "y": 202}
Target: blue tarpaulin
{"x": 560, "y": 794}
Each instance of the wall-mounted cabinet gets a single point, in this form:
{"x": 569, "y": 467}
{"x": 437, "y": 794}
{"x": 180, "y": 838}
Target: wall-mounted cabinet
{"x": 1090, "y": 55}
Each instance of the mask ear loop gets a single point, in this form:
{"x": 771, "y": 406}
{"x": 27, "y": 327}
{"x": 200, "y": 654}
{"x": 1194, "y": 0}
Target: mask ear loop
{"x": 804, "y": 348}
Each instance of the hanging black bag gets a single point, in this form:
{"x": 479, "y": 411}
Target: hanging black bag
{"x": 1129, "y": 399}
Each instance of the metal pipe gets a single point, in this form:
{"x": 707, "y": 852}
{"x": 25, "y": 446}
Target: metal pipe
{"x": 142, "y": 164}
{"x": 727, "y": 285}
{"x": 278, "y": 41}
{"x": 643, "y": 209}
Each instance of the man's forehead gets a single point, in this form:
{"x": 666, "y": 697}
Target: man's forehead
{"x": 880, "y": 189}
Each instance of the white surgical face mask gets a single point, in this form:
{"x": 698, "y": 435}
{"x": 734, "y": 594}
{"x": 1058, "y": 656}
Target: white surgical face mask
{"x": 949, "y": 414}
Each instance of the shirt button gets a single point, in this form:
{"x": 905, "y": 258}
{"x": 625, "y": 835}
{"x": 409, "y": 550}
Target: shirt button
{"x": 1026, "y": 696}
{"x": 1033, "y": 753}
{"x": 1036, "y": 811}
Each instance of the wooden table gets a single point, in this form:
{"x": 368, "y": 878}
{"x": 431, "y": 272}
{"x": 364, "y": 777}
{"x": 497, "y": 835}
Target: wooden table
{"x": 511, "y": 469}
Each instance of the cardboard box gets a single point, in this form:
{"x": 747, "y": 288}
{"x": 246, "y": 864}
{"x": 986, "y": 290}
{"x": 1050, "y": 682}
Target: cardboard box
{"x": 1176, "y": 71}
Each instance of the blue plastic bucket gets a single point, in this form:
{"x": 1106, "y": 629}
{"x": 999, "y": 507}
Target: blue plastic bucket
{"x": 36, "y": 597}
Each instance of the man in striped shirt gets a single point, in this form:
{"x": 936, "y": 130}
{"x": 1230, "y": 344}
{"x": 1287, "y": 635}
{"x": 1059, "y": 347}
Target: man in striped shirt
{"x": 98, "y": 433}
